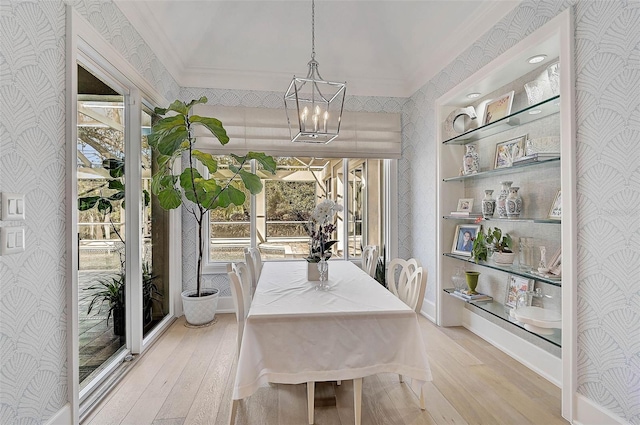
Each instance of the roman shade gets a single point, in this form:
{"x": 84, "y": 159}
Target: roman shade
{"x": 362, "y": 134}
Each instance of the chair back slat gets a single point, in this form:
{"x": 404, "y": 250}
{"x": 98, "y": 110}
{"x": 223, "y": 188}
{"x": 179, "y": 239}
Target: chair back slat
{"x": 238, "y": 301}
{"x": 407, "y": 280}
{"x": 370, "y": 259}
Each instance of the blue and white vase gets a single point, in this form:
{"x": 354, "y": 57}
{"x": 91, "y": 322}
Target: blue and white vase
{"x": 513, "y": 203}
{"x": 470, "y": 161}
{"x": 501, "y": 202}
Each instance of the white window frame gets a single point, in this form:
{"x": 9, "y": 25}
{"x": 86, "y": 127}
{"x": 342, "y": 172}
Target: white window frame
{"x": 390, "y": 202}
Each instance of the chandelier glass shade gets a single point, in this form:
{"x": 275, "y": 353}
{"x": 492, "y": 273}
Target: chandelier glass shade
{"x": 313, "y": 105}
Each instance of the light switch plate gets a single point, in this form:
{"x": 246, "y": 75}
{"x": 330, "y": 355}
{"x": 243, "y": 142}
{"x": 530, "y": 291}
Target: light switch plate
{"x": 11, "y": 240}
{"x": 12, "y": 206}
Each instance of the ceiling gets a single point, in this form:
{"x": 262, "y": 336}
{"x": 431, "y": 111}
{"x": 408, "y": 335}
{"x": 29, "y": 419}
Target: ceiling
{"x": 381, "y": 48}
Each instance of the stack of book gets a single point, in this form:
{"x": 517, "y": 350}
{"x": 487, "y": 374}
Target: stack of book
{"x": 465, "y": 214}
{"x": 467, "y": 296}
{"x": 536, "y": 157}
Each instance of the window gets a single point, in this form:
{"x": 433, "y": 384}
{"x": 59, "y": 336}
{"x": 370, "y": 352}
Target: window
{"x": 275, "y": 219}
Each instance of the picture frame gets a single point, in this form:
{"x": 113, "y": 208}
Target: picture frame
{"x": 465, "y": 205}
{"x": 516, "y": 285}
{"x": 555, "y": 264}
{"x": 463, "y": 239}
{"x": 508, "y": 151}
{"x": 498, "y": 108}
{"x": 555, "y": 212}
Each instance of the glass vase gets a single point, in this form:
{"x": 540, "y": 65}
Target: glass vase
{"x": 323, "y": 270}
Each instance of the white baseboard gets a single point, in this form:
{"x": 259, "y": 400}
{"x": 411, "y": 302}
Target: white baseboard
{"x": 225, "y": 305}
{"x": 62, "y": 416}
{"x": 428, "y": 310}
{"x": 535, "y": 358}
{"x": 589, "y": 413}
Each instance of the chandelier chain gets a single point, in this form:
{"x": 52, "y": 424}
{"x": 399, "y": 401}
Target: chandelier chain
{"x": 313, "y": 29}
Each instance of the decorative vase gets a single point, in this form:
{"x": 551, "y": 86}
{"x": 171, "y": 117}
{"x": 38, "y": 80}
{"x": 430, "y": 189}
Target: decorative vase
{"x": 504, "y": 258}
{"x": 472, "y": 281}
{"x": 542, "y": 265}
{"x": 501, "y": 202}
{"x": 488, "y": 204}
{"x": 313, "y": 274}
{"x": 200, "y": 310}
{"x": 525, "y": 254}
{"x": 513, "y": 203}
{"x": 458, "y": 280}
{"x": 323, "y": 275}
{"x": 470, "y": 162}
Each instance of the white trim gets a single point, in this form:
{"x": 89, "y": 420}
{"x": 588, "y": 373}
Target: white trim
{"x": 535, "y": 358}
{"x": 590, "y": 413}
{"x": 61, "y": 417}
{"x": 428, "y": 310}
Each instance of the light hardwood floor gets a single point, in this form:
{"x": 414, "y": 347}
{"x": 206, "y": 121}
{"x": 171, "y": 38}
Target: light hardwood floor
{"x": 187, "y": 378}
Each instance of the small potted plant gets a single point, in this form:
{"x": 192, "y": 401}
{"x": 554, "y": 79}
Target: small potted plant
{"x": 496, "y": 242}
{"x": 111, "y": 292}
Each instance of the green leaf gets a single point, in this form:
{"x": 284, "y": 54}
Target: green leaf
{"x": 268, "y": 163}
{"x": 169, "y": 198}
{"x": 159, "y": 111}
{"x": 87, "y": 203}
{"x": 170, "y": 143}
{"x": 203, "y": 99}
{"x": 214, "y": 126}
{"x": 163, "y": 159}
{"x": 169, "y": 124}
{"x": 188, "y": 185}
{"x": 146, "y": 198}
{"x": 161, "y": 182}
{"x": 179, "y": 107}
{"x": 118, "y": 196}
{"x": 116, "y": 184}
{"x": 104, "y": 206}
{"x": 152, "y": 139}
{"x": 236, "y": 196}
{"x": 251, "y": 182}
{"x": 207, "y": 160}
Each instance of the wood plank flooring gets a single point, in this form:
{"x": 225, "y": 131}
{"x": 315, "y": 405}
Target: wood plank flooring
{"x": 186, "y": 378}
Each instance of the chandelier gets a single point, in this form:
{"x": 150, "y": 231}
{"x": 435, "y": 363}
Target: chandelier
{"x": 313, "y": 105}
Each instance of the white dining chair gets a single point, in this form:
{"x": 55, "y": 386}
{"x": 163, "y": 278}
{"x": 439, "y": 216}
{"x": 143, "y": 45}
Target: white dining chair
{"x": 235, "y": 272}
{"x": 370, "y": 259}
{"x": 254, "y": 263}
{"x": 410, "y": 285}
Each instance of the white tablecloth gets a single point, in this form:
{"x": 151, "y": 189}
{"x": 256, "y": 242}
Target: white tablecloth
{"x": 295, "y": 334}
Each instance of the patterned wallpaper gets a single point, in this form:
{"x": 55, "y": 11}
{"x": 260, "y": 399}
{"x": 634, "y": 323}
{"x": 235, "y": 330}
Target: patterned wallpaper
{"x": 33, "y": 311}
{"x": 32, "y": 285}
{"x": 607, "y": 53}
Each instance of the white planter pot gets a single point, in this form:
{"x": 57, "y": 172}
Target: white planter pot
{"x": 200, "y": 310}
{"x": 504, "y": 258}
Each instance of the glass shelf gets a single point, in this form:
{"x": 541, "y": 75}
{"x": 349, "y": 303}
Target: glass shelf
{"x": 500, "y": 170}
{"x": 502, "y": 312}
{"x": 547, "y": 108}
{"x": 507, "y": 269}
{"x": 512, "y": 220}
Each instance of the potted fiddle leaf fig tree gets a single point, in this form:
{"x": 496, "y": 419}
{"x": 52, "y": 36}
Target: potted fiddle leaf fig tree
{"x": 172, "y": 137}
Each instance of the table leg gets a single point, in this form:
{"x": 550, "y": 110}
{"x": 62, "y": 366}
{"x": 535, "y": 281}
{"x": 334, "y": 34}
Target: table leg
{"x": 357, "y": 400}
{"x": 234, "y": 409}
{"x": 311, "y": 394}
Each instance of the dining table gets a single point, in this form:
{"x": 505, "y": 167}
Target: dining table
{"x": 295, "y": 333}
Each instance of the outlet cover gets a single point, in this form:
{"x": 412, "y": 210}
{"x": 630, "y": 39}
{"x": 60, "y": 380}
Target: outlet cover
{"x": 11, "y": 240}
{"x": 12, "y": 206}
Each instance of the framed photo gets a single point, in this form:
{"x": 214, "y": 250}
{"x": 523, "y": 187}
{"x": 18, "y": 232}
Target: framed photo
{"x": 516, "y": 285}
{"x": 508, "y": 151}
{"x": 555, "y": 264}
{"x": 463, "y": 239}
{"x": 498, "y": 108}
{"x": 465, "y": 204}
{"x": 555, "y": 211}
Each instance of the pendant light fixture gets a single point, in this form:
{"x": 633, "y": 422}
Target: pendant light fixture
{"x": 313, "y": 105}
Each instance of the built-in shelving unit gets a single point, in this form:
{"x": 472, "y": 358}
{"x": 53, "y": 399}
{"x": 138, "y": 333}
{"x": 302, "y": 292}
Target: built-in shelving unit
{"x": 549, "y": 119}
{"x": 501, "y": 311}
